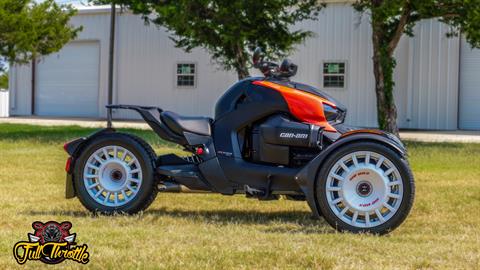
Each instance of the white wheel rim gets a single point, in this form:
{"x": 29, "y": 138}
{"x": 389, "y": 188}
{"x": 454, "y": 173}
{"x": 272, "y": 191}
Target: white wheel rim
{"x": 112, "y": 176}
{"x": 364, "y": 189}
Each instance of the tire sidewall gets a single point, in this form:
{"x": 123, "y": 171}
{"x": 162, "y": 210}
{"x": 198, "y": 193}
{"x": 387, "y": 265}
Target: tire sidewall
{"x": 144, "y": 159}
{"x": 407, "y": 179}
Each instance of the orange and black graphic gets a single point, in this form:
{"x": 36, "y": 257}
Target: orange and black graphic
{"x": 51, "y": 243}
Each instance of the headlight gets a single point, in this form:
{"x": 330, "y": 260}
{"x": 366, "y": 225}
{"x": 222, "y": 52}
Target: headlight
{"x": 333, "y": 115}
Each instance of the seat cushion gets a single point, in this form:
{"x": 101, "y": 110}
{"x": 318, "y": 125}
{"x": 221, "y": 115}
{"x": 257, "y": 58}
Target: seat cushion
{"x": 178, "y": 123}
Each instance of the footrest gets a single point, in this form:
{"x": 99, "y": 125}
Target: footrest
{"x": 177, "y": 171}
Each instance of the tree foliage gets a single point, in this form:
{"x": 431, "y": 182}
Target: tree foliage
{"x": 390, "y": 19}
{"x": 3, "y": 81}
{"x": 29, "y": 29}
{"x": 230, "y": 29}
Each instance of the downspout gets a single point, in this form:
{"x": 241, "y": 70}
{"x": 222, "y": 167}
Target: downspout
{"x": 459, "y": 83}
{"x": 111, "y": 64}
{"x": 33, "y": 86}
{"x": 13, "y": 87}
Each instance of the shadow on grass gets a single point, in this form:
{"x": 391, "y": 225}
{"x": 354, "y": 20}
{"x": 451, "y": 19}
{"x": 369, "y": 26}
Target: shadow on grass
{"x": 278, "y": 221}
{"x": 61, "y": 213}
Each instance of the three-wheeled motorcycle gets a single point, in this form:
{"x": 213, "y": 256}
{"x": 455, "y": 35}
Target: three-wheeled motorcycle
{"x": 270, "y": 136}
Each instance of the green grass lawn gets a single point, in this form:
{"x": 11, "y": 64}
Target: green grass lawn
{"x": 206, "y": 231}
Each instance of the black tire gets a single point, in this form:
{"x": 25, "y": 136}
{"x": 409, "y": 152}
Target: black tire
{"x": 146, "y": 157}
{"x": 407, "y": 180}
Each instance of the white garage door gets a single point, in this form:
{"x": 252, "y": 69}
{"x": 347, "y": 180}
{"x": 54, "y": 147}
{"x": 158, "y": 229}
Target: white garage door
{"x": 67, "y": 81}
{"x": 469, "y": 110}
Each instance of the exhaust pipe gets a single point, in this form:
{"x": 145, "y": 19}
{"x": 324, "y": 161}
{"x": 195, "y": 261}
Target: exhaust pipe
{"x": 177, "y": 188}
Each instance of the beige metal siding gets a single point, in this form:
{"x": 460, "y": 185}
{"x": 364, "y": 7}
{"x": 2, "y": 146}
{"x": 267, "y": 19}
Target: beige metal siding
{"x": 469, "y": 87}
{"x": 432, "y": 93}
{"x": 4, "y": 100}
{"x": 20, "y": 84}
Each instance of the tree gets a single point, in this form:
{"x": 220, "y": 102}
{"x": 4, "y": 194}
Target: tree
{"x": 229, "y": 29}
{"x": 3, "y": 81}
{"x": 390, "y": 19}
{"x": 29, "y": 29}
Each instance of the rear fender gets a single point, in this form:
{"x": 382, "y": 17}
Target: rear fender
{"x": 74, "y": 149}
{"x": 307, "y": 176}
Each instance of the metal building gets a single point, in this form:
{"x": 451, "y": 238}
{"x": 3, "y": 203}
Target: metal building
{"x": 436, "y": 77}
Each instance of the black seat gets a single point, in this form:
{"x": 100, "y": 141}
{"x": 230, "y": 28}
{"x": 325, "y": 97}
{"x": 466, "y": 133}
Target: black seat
{"x": 179, "y": 124}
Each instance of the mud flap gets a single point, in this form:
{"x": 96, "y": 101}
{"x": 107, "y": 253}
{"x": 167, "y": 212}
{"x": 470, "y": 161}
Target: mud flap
{"x": 69, "y": 189}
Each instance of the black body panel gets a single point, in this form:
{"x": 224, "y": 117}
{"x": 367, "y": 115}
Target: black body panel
{"x": 241, "y": 106}
{"x": 272, "y": 139}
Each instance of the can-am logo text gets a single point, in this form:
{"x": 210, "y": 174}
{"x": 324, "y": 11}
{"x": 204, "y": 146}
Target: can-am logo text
{"x": 293, "y": 135}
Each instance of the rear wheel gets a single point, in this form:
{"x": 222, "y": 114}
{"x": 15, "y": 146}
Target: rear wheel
{"x": 115, "y": 173}
{"x": 365, "y": 187}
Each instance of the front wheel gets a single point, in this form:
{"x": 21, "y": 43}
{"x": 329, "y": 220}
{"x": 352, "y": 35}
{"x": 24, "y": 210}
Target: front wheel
{"x": 115, "y": 173}
{"x": 365, "y": 187}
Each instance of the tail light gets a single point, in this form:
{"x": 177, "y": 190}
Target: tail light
{"x": 68, "y": 165}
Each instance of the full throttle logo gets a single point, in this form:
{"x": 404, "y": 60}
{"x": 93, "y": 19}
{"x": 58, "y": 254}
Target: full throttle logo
{"x": 51, "y": 243}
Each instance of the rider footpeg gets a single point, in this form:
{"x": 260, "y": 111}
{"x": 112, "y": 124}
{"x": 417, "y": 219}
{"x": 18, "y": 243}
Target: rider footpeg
{"x": 260, "y": 194}
{"x": 253, "y": 192}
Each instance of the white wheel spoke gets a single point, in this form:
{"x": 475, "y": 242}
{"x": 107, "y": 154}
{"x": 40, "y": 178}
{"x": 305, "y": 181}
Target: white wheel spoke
{"x": 389, "y": 207}
{"x": 93, "y": 185}
{"x": 90, "y": 176}
{"x": 115, "y": 197}
{"x": 393, "y": 195}
{"x": 334, "y": 188}
{"x": 344, "y": 167}
{"x": 379, "y": 215}
{"x": 389, "y": 171}
{"x": 336, "y": 176}
{"x": 134, "y": 171}
{"x": 115, "y": 152}
{"x": 394, "y": 183}
{"x": 367, "y": 158}
{"x": 367, "y": 219}
{"x": 355, "y": 160}
{"x": 380, "y": 162}
{"x": 344, "y": 210}
{"x": 99, "y": 192}
{"x": 337, "y": 200}
{"x": 91, "y": 166}
{"x": 354, "y": 218}
{"x": 124, "y": 154}
{"x": 99, "y": 159}
{"x": 107, "y": 197}
{"x": 134, "y": 180}
{"x": 105, "y": 153}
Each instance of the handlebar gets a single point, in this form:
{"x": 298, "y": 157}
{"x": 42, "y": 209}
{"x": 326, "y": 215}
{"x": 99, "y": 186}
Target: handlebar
{"x": 269, "y": 69}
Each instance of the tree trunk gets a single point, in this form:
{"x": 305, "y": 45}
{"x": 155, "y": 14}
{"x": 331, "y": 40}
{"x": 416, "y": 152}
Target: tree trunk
{"x": 242, "y": 72}
{"x": 241, "y": 63}
{"x": 383, "y": 68}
